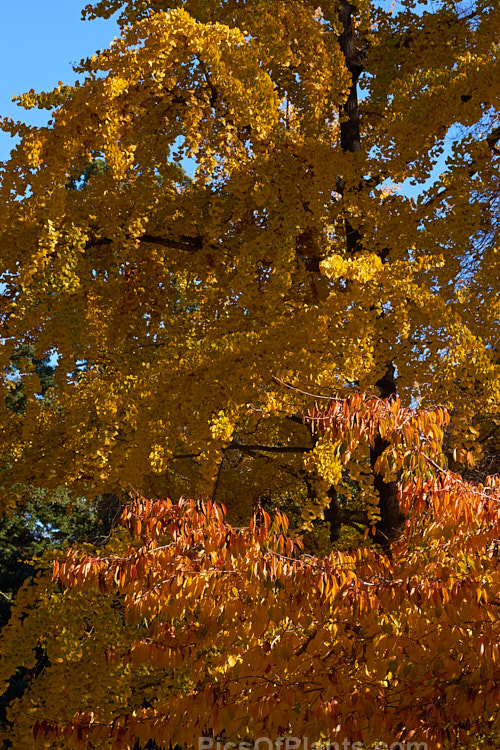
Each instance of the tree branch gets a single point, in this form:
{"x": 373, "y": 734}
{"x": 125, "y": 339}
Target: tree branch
{"x": 244, "y": 447}
{"x": 189, "y": 244}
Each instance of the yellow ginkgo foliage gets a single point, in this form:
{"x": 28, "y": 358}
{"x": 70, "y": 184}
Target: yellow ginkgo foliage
{"x": 212, "y": 227}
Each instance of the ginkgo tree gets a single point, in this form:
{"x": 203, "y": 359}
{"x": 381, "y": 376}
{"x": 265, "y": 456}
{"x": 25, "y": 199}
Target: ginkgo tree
{"x": 185, "y": 630}
{"x": 179, "y": 310}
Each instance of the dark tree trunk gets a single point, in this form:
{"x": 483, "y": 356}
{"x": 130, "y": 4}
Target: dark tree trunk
{"x": 349, "y": 127}
{"x": 391, "y": 518}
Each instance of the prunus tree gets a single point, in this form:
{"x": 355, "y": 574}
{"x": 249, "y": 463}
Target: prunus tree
{"x": 184, "y": 627}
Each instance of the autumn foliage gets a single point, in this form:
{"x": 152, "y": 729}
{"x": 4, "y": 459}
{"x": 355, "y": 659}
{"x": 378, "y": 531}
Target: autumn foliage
{"x": 185, "y": 626}
{"x": 178, "y": 305}
{"x": 215, "y": 283}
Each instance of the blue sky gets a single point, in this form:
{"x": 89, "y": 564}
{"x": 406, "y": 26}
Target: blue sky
{"x": 39, "y": 39}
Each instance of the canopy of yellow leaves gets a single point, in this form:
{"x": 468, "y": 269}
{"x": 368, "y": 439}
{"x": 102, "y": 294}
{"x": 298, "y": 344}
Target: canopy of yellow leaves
{"x": 172, "y": 303}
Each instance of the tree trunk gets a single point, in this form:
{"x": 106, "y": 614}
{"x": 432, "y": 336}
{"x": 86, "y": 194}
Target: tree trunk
{"x": 391, "y": 518}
